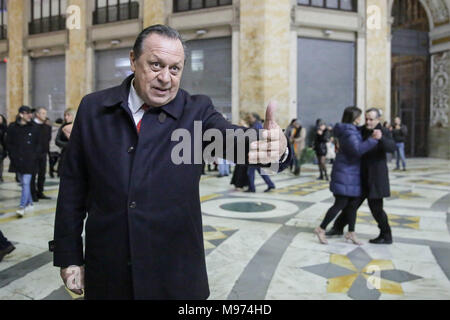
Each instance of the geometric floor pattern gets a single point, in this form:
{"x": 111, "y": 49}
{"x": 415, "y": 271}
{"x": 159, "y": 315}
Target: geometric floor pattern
{"x": 404, "y": 221}
{"x": 360, "y": 276}
{"x": 261, "y": 245}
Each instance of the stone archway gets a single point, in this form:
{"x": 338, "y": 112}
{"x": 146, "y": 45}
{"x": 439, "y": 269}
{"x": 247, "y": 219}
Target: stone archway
{"x": 431, "y": 69}
{"x": 410, "y": 61}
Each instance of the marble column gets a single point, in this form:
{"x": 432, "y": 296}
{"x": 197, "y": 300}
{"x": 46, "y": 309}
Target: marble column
{"x": 15, "y": 66}
{"x": 76, "y": 57}
{"x": 378, "y": 57}
{"x": 153, "y": 12}
{"x": 264, "y": 62}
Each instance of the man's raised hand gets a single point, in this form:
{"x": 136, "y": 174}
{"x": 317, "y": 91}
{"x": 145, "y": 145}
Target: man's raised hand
{"x": 273, "y": 144}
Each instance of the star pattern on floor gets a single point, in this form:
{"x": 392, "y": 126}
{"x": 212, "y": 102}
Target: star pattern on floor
{"x": 303, "y": 189}
{"x": 407, "y": 222}
{"x": 360, "y": 276}
{"x": 215, "y": 236}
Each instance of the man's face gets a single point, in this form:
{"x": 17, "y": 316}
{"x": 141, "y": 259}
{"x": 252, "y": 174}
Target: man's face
{"x": 371, "y": 120}
{"x": 158, "y": 70}
{"x": 41, "y": 115}
{"x": 26, "y": 116}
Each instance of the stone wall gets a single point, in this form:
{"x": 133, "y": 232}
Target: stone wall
{"x": 14, "y": 68}
{"x": 264, "y": 56}
{"x": 439, "y": 134}
{"x": 76, "y": 59}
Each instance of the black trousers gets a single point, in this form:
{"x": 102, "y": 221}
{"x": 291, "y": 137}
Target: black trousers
{"x": 42, "y": 167}
{"x": 53, "y": 158}
{"x": 343, "y": 203}
{"x": 378, "y": 213}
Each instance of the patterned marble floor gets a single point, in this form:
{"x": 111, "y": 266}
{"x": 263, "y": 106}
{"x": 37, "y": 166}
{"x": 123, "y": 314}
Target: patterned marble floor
{"x": 261, "y": 246}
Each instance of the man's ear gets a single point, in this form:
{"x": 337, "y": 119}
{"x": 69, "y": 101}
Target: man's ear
{"x": 132, "y": 61}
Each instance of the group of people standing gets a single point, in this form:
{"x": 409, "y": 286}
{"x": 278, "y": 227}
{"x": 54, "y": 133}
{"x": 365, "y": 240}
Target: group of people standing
{"x": 28, "y": 142}
{"x": 243, "y": 175}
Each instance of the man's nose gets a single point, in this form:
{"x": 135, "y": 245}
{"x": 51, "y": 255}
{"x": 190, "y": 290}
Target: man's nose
{"x": 164, "y": 75}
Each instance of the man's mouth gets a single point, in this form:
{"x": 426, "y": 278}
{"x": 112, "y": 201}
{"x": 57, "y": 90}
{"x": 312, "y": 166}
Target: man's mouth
{"x": 161, "y": 90}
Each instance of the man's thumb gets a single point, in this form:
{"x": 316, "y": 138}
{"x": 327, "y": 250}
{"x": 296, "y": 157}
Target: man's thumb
{"x": 269, "y": 122}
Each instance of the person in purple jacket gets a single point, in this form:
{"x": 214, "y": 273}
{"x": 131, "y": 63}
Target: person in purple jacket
{"x": 346, "y": 174}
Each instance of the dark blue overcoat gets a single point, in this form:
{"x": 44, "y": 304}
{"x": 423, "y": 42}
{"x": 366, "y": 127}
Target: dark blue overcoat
{"x": 346, "y": 173}
{"x": 143, "y": 233}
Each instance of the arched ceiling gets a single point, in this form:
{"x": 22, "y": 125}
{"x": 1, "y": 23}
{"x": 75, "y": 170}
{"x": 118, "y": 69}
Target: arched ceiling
{"x": 438, "y": 11}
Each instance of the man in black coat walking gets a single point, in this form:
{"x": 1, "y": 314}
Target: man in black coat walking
{"x": 45, "y": 135}
{"x": 375, "y": 179}
{"x": 143, "y": 234}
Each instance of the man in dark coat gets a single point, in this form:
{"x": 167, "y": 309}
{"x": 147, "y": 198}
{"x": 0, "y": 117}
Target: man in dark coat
{"x": 22, "y": 144}
{"x": 45, "y": 135}
{"x": 375, "y": 179}
{"x": 143, "y": 231}
{"x": 256, "y": 124}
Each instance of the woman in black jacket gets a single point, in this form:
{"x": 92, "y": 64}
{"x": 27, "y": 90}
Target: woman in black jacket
{"x": 320, "y": 147}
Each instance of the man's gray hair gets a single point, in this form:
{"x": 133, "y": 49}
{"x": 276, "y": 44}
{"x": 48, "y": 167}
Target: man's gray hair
{"x": 376, "y": 110}
{"x": 160, "y": 29}
{"x": 40, "y": 108}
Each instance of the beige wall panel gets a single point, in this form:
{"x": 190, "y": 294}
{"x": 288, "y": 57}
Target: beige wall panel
{"x": 202, "y": 18}
{"x": 76, "y": 60}
{"x": 47, "y": 40}
{"x": 14, "y": 67}
{"x": 153, "y": 12}
{"x": 265, "y": 56}
{"x": 319, "y": 18}
{"x": 3, "y": 47}
{"x": 117, "y": 30}
{"x": 378, "y": 58}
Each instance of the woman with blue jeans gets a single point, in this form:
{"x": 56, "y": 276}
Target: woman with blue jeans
{"x": 22, "y": 143}
{"x": 346, "y": 174}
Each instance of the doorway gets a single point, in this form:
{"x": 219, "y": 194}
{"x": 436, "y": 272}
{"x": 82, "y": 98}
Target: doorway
{"x": 410, "y": 90}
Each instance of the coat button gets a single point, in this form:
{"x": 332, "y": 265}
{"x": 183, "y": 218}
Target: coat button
{"x": 133, "y": 205}
{"x": 130, "y": 149}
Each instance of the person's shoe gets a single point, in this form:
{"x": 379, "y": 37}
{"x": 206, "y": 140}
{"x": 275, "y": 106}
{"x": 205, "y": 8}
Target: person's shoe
{"x": 352, "y": 237}
{"x": 250, "y": 191}
{"x": 43, "y": 196}
{"x": 334, "y": 232}
{"x": 220, "y": 176}
{"x": 269, "y": 189}
{"x": 320, "y": 178}
{"x": 382, "y": 239}
{"x": 30, "y": 207}
{"x": 35, "y": 199}
{"x": 297, "y": 172}
{"x": 51, "y": 175}
{"x": 404, "y": 169}
{"x": 7, "y": 250}
{"x": 397, "y": 169}
{"x": 20, "y": 213}
{"x": 320, "y": 233}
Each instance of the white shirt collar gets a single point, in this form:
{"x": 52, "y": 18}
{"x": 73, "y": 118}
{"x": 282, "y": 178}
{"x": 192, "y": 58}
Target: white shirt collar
{"x": 38, "y": 121}
{"x": 134, "y": 101}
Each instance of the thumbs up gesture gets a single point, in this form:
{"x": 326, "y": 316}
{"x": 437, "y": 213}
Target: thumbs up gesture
{"x": 273, "y": 144}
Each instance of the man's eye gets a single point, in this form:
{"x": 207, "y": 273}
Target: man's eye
{"x": 175, "y": 69}
{"x": 155, "y": 64}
